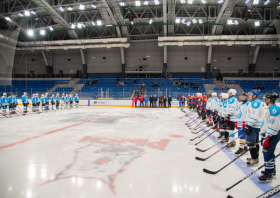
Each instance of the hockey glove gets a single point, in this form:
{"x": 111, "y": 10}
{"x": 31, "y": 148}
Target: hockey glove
{"x": 248, "y": 130}
{"x": 266, "y": 142}
{"x": 243, "y": 125}
{"x": 236, "y": 125}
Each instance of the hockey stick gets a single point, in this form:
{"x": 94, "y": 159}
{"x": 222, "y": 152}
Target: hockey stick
{"x": 203, "y": 159}
{"x": 199, "y": 135}
{"x": 271, "y": 192}
{"x": 202, "y": 139}
{"x": 215, "y": 172}
{"x": 198, "y": 149}
{"x": 247, "y": 176}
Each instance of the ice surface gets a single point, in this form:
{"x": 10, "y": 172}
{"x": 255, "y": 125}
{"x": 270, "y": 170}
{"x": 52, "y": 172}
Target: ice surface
{"x": 114, "y": 152}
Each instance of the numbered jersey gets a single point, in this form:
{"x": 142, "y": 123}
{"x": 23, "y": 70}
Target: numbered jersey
{"x": 271, "y": 122}
{"x": 241, "y": 117}
{"x": 255, "y": 113}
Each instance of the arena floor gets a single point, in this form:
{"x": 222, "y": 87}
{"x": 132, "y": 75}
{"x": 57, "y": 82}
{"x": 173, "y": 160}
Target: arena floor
{"x": 115, "y": 152}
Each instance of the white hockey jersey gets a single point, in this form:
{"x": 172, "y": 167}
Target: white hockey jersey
{"x": 220, "y": 108}
{"x": 233, "y": 108}
{"x": 215, "y": 104}
{"x": 241, "y": 117}
{"x": 255, "y": 113}
{"x": 271, "y": 122}
{"x": 209, "y": 105}
{"x": 225, "y": 114}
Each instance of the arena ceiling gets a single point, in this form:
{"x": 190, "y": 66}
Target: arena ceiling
{"x": 147, "y": 21}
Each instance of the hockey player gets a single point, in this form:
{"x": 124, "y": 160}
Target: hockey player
{"x": 57, "y": 99}
{"x": 241, "y": 122}
{"x": 52, "y": 101}
{"x": 255, "y": 113}
{"x": 220, "y": 113}
{"x": 63, "y": 102}
{"x": 232, "y": 111}
{"x": 223, "y": 121}
{"x": 76, "y": 100}
{"x": 34, "y": 103}
{"x": 216, "y": 101}
{"x": 270, "y": 135}
{"x": 25, "y": 102}
{"x": 37, "y": 102}
{"x": 209, "y": 107}
{"x": 10, "y": 103}
{"x": 47, "y": 101}
{"x": 15, "y": 103}
{"x": 4, "y": 103}
{"x": 71, "y": 99}
{"x": 203, "y": 107}
{"x": 43, "y": 102}
{"x": 67, "y": 101}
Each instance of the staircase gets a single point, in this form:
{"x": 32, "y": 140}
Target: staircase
{"x": 209, "y": 88}
{"x": 72, "y": 83}
{"x": 166, "y": 73}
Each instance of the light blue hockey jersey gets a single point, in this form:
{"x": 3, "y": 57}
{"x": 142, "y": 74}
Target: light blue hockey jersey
{"x": 209, "y": 104}
{"x": 271, "y": 122}
{"x": 15, "y": 99}
{"x": 233, "y": 108}
{"x": 76, "y": 98}
{"x": 10, "y": 99}
{"x": 24, "y": 99}
{"x": 57, "y": 98}
{"x": 34, "y": 99}
{"x": 255, "y": 113}
{"x": 241, "y": 117}
{"x": 52, "y": 99}
{"x": 71, "y": 98}
{"x": 225, "y": 114}
{"x": 43, "y": 100}
{"x": 220, "y": 108}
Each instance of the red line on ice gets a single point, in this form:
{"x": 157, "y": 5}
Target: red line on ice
{"x": 54, "y": 131}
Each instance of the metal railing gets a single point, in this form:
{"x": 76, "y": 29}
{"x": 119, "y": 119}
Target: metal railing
{"x": 254, "y": 74}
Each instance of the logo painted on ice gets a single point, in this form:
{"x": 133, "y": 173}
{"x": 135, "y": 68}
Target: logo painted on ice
{"x": 105, "y": 158}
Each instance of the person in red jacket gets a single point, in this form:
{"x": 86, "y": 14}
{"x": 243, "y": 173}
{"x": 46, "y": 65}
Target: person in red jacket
{"x": 183, "y": 100}
{"x": 141, "y": 101}
{"x": 135, "y": 101}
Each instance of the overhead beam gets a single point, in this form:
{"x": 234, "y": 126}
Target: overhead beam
{"x": 220, "y": 16}
{"x": 56, "y": 17}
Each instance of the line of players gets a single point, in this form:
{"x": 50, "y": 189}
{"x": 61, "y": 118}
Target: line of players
{"x": 249, "y": 118}
{"x": 9, "y": 104}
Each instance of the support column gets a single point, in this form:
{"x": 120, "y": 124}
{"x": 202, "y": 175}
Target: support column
{"x": 85, "y": 76}
{"x": 49, "y": 67}
{"x": 208, "y": 65}
{"x": 253, "y": 55}
{"x": 123, "y": 62}
{"x": 165, "y": 33}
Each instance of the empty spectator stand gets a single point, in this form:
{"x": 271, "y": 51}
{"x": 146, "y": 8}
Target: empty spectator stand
{"x": 29, "y": 86}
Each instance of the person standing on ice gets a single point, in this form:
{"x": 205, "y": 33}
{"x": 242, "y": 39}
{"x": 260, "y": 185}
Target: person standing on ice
{"x": 43, "y": 102}
{"x": 232, "y": 111}
{"x": 10, "y": 100}
{"x": 71, "y": 99}
{"x": 52, "y": 101}
{"x": 33, "y": 100}
{"x": 135, "y": 101}
{"x": 146, "y": 100}
{"x": 255, "y": 114}
{"x": 169, "y": 101}
{"x": 57, "y": 99}
{"x": 241, "y": 122}
{"x": 76, "y": 100}
{"x": 155, "y": 101}
{"x": 15, "y": 103}
{"x": 270, "y": 132}
{"x": 209, "y": 108}
{"x": 47, "y": 101}
{"x": 141, "y": 101}
{"x": 4, "y": 103}
{"x": 25, "y": 102}
{"x": 37, "y": 102}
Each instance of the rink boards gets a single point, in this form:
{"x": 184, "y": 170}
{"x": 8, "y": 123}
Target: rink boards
{"x": 111, "y": 103}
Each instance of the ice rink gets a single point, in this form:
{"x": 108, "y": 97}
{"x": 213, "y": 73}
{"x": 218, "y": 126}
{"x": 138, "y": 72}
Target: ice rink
{"x": 107, "y": 152}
